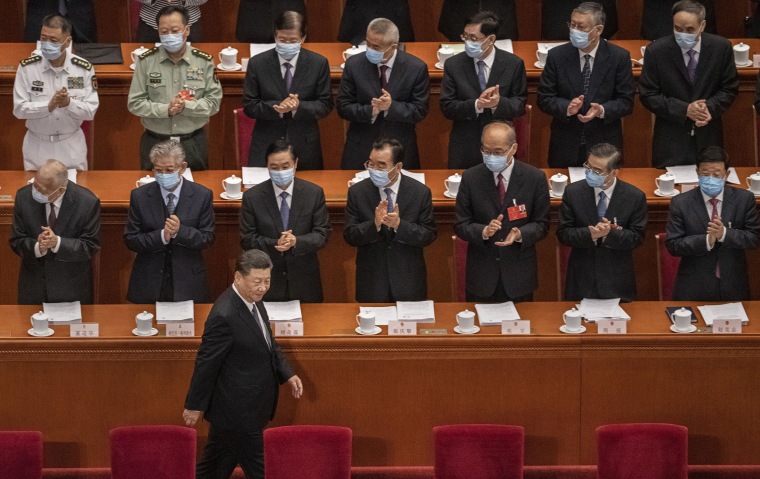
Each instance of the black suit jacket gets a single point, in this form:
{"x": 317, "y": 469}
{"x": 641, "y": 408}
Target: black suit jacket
{"x": 80, "y": 12}
{"x": 603, "y": 267}
{"x": 665, "y": 90}
{"x": 358, "y": 13}
{"x": 388, "y": 261}
{"x": 66, "y": 275}
{"x": 555, "y": 15}
{"x": 142, "y": 234}
{"x": 265, "y": 87}
{"x": 477, "y": 204}
{"x": 611, "y": 85}
{"x": 657, "y": 18}
{"x": 408, "y": 86}
{"x": 460, "y": 89}
{"x": 297, "y": 270}
{"x": 687, "y": 223}
{"x": 236, "y": 376}
{"x": 255, "y": 21}
{"x": 455, "y": 12}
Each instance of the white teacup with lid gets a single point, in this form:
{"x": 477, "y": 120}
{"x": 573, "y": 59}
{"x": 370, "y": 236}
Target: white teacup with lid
{"x": 558, "y": 183}
{"x": 144, "y": 181}
{"x": 572, "y": 319}
{"x": 666, "y": 183}
{"x": 228, "y": 57}
{"x": 452, "y": 184}
{"x": 444, "y": 53}
{"x": 741, "y": 54}
{"x": 39, "y": 323}
{"x": 753, "y": 183}
{"x": 144, "y": 322}
{"x": 681, "y": 319}
{"x": 137, "y": 52}
{"x": 354, "y": 50}
{"x": 466, "y": 321}
{"x": 232, "y": 186}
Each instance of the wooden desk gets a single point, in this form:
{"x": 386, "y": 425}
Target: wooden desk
{"x": 392, "y": 390}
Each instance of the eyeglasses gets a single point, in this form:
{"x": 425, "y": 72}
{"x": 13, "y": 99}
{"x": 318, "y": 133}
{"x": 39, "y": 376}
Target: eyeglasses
{"x": 289, "y": 41}
{"x": 595, "y": 170}
{"x": 471, "y": 38}
{"x": 164, "y": 171}
{"x": 580, "y": 26}
{"x": 496, "y": 152}
{"x": 369, "y": 166}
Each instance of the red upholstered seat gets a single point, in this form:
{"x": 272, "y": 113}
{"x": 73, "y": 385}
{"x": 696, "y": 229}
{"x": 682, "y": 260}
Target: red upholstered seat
{"x": 637, "y": 451}
{"x": 134, "y": 19}
{"x": 153, "y": 452}
{"x": 243, "y": 130}
{"x": 21, "y": 454}
{"x": 667, "y": 268}
{"x": 307, "y": 452}
{"x": 482, "y": 451}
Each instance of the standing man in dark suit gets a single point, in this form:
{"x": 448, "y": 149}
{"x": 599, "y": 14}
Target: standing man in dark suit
{"x": 169, "y": 224}
{"x": 502, "y": 211}
{"x": 56, "y": 232}
{"x": 710, "y": 228}
{"x": 554, "y": 15}
{"x": 238, "y": 370}
{"x": 603, "y": 219}
{"x": 389, "y": 219}
{"x": 656, "y": 18}
{"x": 358, "y": 14}
{"x": 480, "y": 85}
{"x": 688, "y": 81}
{"x": 287, "y": 90}
{"x": 587, "y": 87}
{"x": 383, "y": 94}
{"x": 286, "y": 217}
{"x": 81, "y": 14}
{"x": 256, "y": 17}
{"x": 453, "y": 13}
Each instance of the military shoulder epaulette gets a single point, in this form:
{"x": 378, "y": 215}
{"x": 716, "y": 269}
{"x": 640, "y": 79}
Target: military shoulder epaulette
{"x": 81, "y": 62}
{"x": 30, "y": 60}
{"x": 149, "y": 52}
{"x": 202, "y": 54}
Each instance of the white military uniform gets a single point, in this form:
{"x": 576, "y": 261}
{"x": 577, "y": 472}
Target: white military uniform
{"x": 55, "y": 135}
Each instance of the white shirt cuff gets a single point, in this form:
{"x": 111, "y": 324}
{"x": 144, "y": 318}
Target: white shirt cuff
{"x": 37, "y": 250}
{"x": 57, "y": 244}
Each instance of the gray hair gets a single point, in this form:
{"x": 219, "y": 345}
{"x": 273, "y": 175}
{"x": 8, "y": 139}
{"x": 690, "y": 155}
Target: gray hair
{"x": 608, "y": 152}
{"x": 252, "y": 259}
{"x": 168, "y": 148}
{"x": 690, "y": 6}
{"x": 386, "y": 28}
{"x": 594, "y": 9}
{"x": 55, "y": 170}
{"x": 511, "y": 135}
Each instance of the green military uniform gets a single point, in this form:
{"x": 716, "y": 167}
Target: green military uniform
{"x": 156, "y": 81}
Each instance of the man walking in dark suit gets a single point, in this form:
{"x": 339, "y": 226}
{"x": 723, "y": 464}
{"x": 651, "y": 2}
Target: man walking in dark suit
{"x": 603, "y": 219}
{"x": 453, "y": 13}
{"x": 554, "y": 15}
{"x": 237, "y": 374}
{"x": 389, "y": 219}
{"x": 710, "y": 228}
{"x": 480, "y": 85}
{"x": 56, "y": 232}
{"x": 502, "y": 211}
{"x": 170, "y": 222}
{"x": 383, "y": 94}
{"x": 657, "y": 21}
{"x": 256, "y": 17}
{"x": 286, "y": 217}
{"x": 587, "y": 87}
{"x": 688, "y": 81}
{"x": 357, "y": 14}
{"x": 287, "y": 90}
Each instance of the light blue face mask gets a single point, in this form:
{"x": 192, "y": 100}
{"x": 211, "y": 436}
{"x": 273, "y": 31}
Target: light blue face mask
{"x": 172, "y": 42}
{"x": 579, "y": 38}
{"x": 167, "y": 180}
{"x": 474, "y": 49}
{"x": 711, "y": 186}
{"x": 51, "y": 51}
{"x": 288, "y": 51}
{"x": 379, "y": 178}
{"x": 374, "y": 56}
{"x": 39, "y": 197}
{"x": 282, "y": 177}
{"x": 495, "y": 163}
{"x": 595, "y": 180}
{"x": 687, "y": 41}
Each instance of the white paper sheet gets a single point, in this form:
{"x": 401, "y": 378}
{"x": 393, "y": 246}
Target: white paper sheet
{"x": 181, "y": 311}
{"x": 419, "y": 311}
{"x": 684, "y": 173}
{"x": 733, "y": 178}
{"x": 505, "y": 44}
{"x": 494, "y": 314}
{"x": 72, "y": 174}
{"x": 577, "y": 173}
{"x": 253, "y": 175}
{"x": 619, "y": 313}
{"x": 63, "y": 313}
{"x": 417, "y": 176}
{"x": 383, "y": 314}
{"x": 256, "y": 48}
{"x": 723, "y": 311}
{"x": 599, "y": 308}
{"x": 188, "y": 175}
{"x": 457, "y": 47}
{"x": 283, "y": 310}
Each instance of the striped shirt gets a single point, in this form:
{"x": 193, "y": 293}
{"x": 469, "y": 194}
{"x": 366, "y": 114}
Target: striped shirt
{"x": 150, "y": 9}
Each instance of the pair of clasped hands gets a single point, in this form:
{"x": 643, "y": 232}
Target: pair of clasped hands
{"x": 382, "y": 103}
{"x": 47, "y": 239}
{"x": 288, "y": 104}
{"x": 382, "y": 217}
{"x": 61, "y": 99}
{"x": 489, "y": 98}
{"x": 287, "y": 240}
{"x": 594, "y": 110}
{"x": 495, "y": 225}
{"x": 714, "y": 230}
{"x": 699, "y": 112}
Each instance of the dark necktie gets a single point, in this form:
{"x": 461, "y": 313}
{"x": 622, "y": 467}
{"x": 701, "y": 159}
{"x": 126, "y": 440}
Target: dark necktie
{"x": 51, "y": 217}
{"x": 586, "y": 77}
{"x": 692, "y": 66}
{"x": 63, "y": 9}
{"x": 171, "y": 206}
{"x": 288, "y": 76}
{"x": 383, "y": 76}
{"x": 601, "y": 207}
{"x": 500, "y": 188}
{"x": 482, "y": 75}
{"x": 284, "y": 210}
{"x": 389, "y": 198}
{"x": 262, "y": 326}
{"x": 714, "y": 203}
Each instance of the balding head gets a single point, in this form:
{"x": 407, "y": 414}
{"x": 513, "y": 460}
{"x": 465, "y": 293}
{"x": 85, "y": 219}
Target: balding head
{"x": 498, "y": 138}
{"x": 51, "y": 179}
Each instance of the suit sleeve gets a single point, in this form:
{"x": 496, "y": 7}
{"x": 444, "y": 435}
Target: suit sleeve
{"x": 513, "y": 95}
{"x": 621, "y": 103}
{"x": 253, "y": 105}
{"x": 82, "y": 247}
{"x": 466, "y": 226}
{"x": 203, "y": 236}
{"x": 137, "y": 237}
{"x": 568, "y": 231}
{"x": 632, "y": 236}
{"x": 452, "y": 107}
{"x": 747, "y": 237}
{"x": 422, "y": 232}
{"x": 676, "y": 240}
{"x": 323, "y": 104}
{"x": 284, "y": 370}
{"x": 215, "y": 345}
{"x": 250, "y": 238}
{"x": 347, "y": 103}
{"x": 22, "y": 241}
{"x": 316, "y": 239}
{"x": 415, "y": 110}
{"x": 357, "y": 232}
{"x": 537, "y": 229}
{"x": 718, "y": 103}
{"x": 548, "y": 97}
{"x": 667, "y": 108}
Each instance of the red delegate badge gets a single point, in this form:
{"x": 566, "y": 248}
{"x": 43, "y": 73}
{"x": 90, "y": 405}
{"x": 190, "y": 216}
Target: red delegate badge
{"x": 517, "y": 212}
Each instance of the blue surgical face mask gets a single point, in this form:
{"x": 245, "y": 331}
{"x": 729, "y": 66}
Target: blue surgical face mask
{"x": 595, "y": 180}
{"x": 39, "y": 197}
{"x": 379, "y": 178}
{"x": 579, "y": 38}
{"x": 374, "y": 56}
{"x": 172, "y": 42}
{"x": 474, "y": 49}
{"x": 167, "y": 180}
{"x": 282, "y": 177}
{"x": 687, "y": 41}
{"x": 497, "y": 163}
{"x": 711, "y": 186}
{"x": 51, "y": 51}
{"x": 288, "y": 51}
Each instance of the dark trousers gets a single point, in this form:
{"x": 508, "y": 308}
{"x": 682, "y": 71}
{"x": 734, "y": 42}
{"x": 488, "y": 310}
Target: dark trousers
{"x": 196, "y": 151}
{"x": 226, "y": 449}
{"x": 498, "y": 296}
{"x": 148, "y": 34}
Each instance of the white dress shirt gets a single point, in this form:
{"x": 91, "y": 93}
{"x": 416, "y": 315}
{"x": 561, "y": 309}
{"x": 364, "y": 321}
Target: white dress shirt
{"x": 697, "y": 48}
{"x": 278, "y": 191}
{"x": 250, "y": 306}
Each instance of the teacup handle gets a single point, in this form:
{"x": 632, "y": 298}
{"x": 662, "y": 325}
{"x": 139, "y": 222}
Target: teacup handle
{"x": 358, "y": 323}
{"x": 673, "y": 317}
{"x": 749, "y": 182}
{"x": 220, "y": 56}
{"x": 224, "y": 184}
{"x": 657, "y": 182}
{"x": 137, "y": 183}
{"x": 344, "y": 56}
{"x": 538, "y": 57}
{"x": 446, "y": 182}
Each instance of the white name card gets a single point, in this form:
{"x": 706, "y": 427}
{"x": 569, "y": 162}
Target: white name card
{"x": 521, "y": 326}
{"x": 293, "y": 328}
{"x": 402, "y": 328}
{"x": 180, "y": 330}
{"x": 727, "y": 326}
{"x": 84, "y": 330}
{"x": 612, "y": 326}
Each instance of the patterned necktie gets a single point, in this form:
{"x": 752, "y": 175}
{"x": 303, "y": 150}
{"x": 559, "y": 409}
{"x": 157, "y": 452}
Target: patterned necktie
{"x": 389, "y": 198}
{"x": 170, "y": 204}
{"x": 482, "y": 75}
{"x": 715, "y": 214}
{"x": 601, "y": 207}
{"x": 262, "y": 325}
{"x": 692, "y": 66}
{"x": 284, "y": 210}
{"x": 500, "y": 188}
{"x": 383, "y": 76}
{"x": 51, "y": 217}
{"x": 288, "y": 76}
{"x": 586, "y": 77}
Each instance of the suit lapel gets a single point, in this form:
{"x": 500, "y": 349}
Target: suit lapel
{"x": 471, "y": 74}
{"x": 497, "y": 69}
{"x": 704, "y": 63}
{"x": 302, "y": 71}
{"x": 729, "y": 205}
{"x": 699, "y": 208}
{"x": 599, "y": 72}
{"x": 614, "y": 204}
{"x": 275, "y": 73}
{"x": 677, "y": 58}
{"x": 271, "y": 202}
{"x": 373, "y": 76}
{"x": 397, "y": 73}
{"x": 64, "y": 215}
{"x": 513, "y": 188}
{"x": 589, "y": 204}
{"x": 296, "y": 204}
{"x": 157, "y": 205}
{"x": 247, "y": 318}
{"x": 186, "y": 199}
{"x": 574, "y": 72}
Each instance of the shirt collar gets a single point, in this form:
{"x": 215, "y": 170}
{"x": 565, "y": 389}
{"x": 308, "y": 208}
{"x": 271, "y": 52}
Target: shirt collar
{"x": 176, "y": 191}
{"x": 65, "y": 67}
{"x": 592, "y": 52}
{"x": 393, "y": 187}
{"x": 697, "y": 48}
{"x": 163, "y": 55}
{"x": 289, "y": 190}
{"x": 391, "y": 60}
{"x": 506, "y": 173}
{"x": 706, "y": 198}
{"x": 248, "y": 305}
{"x": 59, "y": 201}
{"x": 487, "y": 60}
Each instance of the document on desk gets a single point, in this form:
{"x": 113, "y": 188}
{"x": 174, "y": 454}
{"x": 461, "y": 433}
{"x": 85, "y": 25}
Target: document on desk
{"x": 179, "y": 312}
{"x": 596, "y": 309}
{"x": 383, "y": 314}
{"x": 494, "y": 314}
{"x": 416, "y": 311}
{"x": 684, "y": 173}
{"x": 505, "y": 45}
{"x": 188, "y": 175}
{"x": 256, "y": 48}
{"x": 417, "y": 176}
{"x": 733, "y": 178}
{"x": 577, "y": 173}
{"x": 253, "y": 175}
{"x": 723, "y": 311}
{"x": 284, "y": 310}
{"x": 63, "y": 313}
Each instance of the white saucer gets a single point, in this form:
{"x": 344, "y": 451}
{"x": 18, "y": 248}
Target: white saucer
{"x": 691, "y": 329}
{"x": 553, "y": 195}
{"x": 475, "y": 329}
{"x": 153, "y": 332}
{"x": 564, "y": 329}
{"x": 377, "y": 330}
{"x": 227, "y": 197}
{"x": 342, "y": 66}
{"x": 132, "y": 66}
{"x": 757, "y": 195}
{"x": 32, "y": 333}
{"x": 439, "y": 65}
{"x": 237, "y": 67}
{"x": 539, "y": 65}
{"x": 449, "y": 195}
{"x": 660, "y": 193}
{"x": 744, "y": 65}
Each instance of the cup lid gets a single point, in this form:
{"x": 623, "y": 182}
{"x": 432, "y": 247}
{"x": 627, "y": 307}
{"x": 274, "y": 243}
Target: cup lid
{"x": 559, "y": 176}
{"x": 573, "y": 312}
{"x": 233, "y": 179}
{"x": 145, "y": 315}
{"x": 466, "y": 313}
{"x": 40, "y": 315}
{"x": 755, "y": 176}
{"x": 455, "y": 177}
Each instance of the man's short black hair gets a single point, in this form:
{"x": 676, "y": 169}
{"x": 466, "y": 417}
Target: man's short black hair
{"x": 609, "y": 152}
{"x": 489, "y": 22}
{"x": 252, "y": 259}
{"x": 290, "y": 20}
{"x": 712, "y": 154}
{"x": 57, "y": 21}
{"x": 169, "y": 9}
{"x": 278, "y": 146}
{"x": 397, "y": 149}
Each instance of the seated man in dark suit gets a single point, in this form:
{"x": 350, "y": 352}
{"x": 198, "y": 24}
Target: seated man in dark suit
{"x": 288, "y": 108}
{"x": 710, "y": 228}
{"x": 479, "y": 85}
{"x": 286, "y": 217}
{"x": 389, "y": 219}
{"x": 357, "y": 14}
{"x": 657, "y": 21}
{"x": 502, "y": 211}
{"x": 56, "y": 232}
{"x": 587, "y": 87}
{"x": 383, "y": 94}
{"x": 603, "y": 219}
{"x": 169, "y": 224}
{"x": 453, "y": 13}
{"x": 554, "y": 15}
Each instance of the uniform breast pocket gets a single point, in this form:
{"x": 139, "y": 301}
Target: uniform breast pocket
{"x": 157, "y": 92}
{"x": 197, "y": 87}
{"x": 38, "y": 95}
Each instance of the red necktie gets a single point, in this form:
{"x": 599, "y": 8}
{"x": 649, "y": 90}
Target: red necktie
{"x": 714, "y": 203}
{"x": 500, "y": 188}
{"x": 383, "y": 78}
{"x": 52, "y": 217}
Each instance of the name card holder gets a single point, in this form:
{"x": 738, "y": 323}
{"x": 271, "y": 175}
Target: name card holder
{"x": 288, "y": 329}
{"x": 727, "y": 326}
{"x": 515, "y": 327}
{"x": 84, "y": 330}
{"x": 180, "y": 330}
{"x": 612, "y": 326}
{"x": 402, "y": 328}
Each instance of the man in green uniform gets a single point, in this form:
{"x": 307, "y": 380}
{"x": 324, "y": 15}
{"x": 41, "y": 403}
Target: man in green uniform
{"x": 175, "y": 91}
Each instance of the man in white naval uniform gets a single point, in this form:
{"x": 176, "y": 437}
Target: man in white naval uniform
{"x": 55, "y": 93}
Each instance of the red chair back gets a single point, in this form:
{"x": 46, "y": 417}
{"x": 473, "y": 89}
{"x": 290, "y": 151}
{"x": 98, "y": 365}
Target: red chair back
{"x": 244, "y": 126}
{"x": 153, "y": 452}
{"x": 88, "y": 128}
{"x": 134, "y": 19}
{"x": 563, "y": 256}
{"x": 632, "y": 451}
{"x": 484, "y": 451}
{"x": 667, "y": 268}
{"x": 307, "y": 452}
{"x": 521, "y": 124}
{"x": 460, "y": 268}
{"x": 21, "y": 454}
